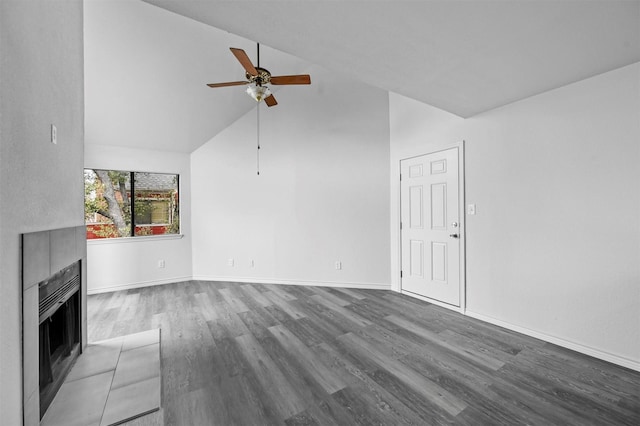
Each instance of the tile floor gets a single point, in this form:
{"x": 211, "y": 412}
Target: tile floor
{"x": 112, "y": 381}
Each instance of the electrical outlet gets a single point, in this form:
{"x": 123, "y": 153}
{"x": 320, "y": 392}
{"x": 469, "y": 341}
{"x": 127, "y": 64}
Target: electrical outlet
{"x": 471, "y": 209}
{"x": 54, "y": 134}
{"x": 338, "y": 265}
{"x": 230, "y": 262}
{"x": 252, "y": 263}
{"x": 161, "y": 263}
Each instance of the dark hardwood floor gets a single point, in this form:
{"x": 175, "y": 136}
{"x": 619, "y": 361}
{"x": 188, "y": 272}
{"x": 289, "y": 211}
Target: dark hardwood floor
{"x": 254, "y": 354}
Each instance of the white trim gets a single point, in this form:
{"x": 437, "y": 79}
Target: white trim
{"x": 587, "y": 350}
{"x": 433, "y": 301}
{"x": 257, "y": 280}
{"x": 138, "y": 284}
{"x": 462, "y": 224}
{"x": 140, "y": 238}
{"x": 368, "y": 286}
{"x": 462, "y": 185}
{"x": 596, "y": 353}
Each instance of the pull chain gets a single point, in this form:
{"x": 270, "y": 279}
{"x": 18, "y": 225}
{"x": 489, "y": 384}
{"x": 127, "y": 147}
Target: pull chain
{"x": 258, "y": 138}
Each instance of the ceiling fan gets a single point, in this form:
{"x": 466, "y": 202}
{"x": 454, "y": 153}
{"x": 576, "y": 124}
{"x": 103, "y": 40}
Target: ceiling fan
{"x": 258, "y": 78}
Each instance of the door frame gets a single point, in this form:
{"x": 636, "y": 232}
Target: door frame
{"x": 462, "y": 220}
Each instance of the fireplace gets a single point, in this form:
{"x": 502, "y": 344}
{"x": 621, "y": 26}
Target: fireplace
{"x": 59, "y": 330}
{"x": 54, "y": 315}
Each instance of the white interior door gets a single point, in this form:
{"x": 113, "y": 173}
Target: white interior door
{"x": 430, "y": 226}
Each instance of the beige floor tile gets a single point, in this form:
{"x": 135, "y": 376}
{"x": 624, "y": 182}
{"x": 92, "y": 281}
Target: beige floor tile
{"x": 80, "y": 402}
{"x": 96, "y": 359}
{"x": 132, "y": 401}
{"x": 144, "y": 338}
{"x": 37, "y": 249}
{"x": 32, "y": 410}
{"x": 137, "y": 365}
{"x": 31, "y": 327}
{"x": 115, "y": 342}
{"x": 110, "y": 383}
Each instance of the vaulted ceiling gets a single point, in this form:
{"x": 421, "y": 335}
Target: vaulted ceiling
{"x": 464, "y": 57}
{"x": 146, "y": 67}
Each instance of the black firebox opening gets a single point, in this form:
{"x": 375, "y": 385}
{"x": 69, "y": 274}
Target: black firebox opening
{"x": 59, "y": 339}
{"x": 58, "y": 335}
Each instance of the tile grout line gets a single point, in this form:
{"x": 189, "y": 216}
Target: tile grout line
{"x": 138, "y": 347}
{"x": 104, "y": 407}
{"x": 115, "y": 371}
{"x": 96, "y": 373}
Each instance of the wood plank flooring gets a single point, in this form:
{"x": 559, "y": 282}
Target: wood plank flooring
{"x": 255, "y": 354}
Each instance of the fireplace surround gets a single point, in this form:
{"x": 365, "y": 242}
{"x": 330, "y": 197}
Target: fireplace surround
{"x": 54, "y": 314}
{"x": 59, "y": 330}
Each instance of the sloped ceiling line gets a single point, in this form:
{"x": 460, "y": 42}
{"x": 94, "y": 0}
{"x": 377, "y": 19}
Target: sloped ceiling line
{"x": 460, "y": 56}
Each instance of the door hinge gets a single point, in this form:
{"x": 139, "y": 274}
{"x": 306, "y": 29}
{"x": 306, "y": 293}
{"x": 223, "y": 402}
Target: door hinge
{"x": 400, "y": 274}
{"x": 400, "y": 176}
{"x": 400, "y": 225}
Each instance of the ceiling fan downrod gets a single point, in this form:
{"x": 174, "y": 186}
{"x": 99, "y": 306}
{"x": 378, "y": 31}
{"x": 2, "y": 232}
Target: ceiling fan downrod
{"x": 257, "y": 78}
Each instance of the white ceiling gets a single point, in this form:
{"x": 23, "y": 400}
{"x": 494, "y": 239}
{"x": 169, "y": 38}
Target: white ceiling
{"x": 146, "y": 67}
{"x": 464, "y": 57}
{"x": 146, "y": 71}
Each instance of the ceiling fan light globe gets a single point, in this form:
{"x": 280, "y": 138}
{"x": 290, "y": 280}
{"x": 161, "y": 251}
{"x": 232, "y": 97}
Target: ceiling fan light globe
{"x": 258, "y": 93}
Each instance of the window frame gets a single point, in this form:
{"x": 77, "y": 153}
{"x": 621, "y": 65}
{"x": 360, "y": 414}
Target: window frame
{"x": 132, "y": 210}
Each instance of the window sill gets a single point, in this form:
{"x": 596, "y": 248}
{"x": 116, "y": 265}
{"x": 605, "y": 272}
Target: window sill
{"x": 100, "y": 241}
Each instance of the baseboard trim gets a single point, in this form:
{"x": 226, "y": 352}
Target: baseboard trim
{"x": 587, "y": 350}
{"x": 596, "y": 353}
{"x": 367, "y": 286}
{"x": 139, "y": 284}
{"x": 432, "y": 301}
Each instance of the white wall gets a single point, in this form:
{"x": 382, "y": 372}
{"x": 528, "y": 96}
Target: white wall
{"x": 122, "y": 263}
{"x": 144, "y": 112}
{"x": 554, "y": 250}
{"x": 41, "y": 185}
{"x": 322, "y": 194}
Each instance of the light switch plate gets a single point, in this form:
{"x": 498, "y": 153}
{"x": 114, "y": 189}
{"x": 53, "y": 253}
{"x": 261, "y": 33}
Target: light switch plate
{"x": 471, "y": 209}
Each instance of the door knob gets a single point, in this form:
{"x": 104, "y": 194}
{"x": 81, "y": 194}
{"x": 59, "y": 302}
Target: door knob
{"x": 453, "y": 235}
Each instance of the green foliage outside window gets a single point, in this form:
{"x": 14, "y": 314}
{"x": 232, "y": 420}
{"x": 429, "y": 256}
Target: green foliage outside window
{"x": 110, "y": 213}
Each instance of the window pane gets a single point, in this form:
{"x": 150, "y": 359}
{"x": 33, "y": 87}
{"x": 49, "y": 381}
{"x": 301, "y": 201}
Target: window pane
{"x": 156, "y": 204}
{"x": 107, "y": 204}
{"x": 109, "y": 207}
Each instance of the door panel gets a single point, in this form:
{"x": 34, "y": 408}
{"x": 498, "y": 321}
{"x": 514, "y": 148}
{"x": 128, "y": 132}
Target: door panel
{"x": 429, "y": 215}
{"x": 438, "y": 206}
{"x": 439, "y": 262}
{"x": 416, "y": 204}
{"x": 417, "y": 258}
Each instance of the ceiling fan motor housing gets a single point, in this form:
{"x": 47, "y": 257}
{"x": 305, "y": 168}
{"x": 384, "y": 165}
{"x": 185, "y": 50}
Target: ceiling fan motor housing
{"x": 263, "y": 77}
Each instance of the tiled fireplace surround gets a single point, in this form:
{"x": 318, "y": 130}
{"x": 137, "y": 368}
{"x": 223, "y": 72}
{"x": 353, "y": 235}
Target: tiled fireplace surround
{"x": 43, "y": 254}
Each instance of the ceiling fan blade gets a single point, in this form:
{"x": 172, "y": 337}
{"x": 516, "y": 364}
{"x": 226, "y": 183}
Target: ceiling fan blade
{"x": 229, "y": 83}
{"x": 244, "y": 60}
{"x": 270, "y": 101}
{"x": 291, "y": 79}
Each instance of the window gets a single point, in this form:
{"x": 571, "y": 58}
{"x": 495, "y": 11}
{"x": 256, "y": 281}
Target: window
{"x": 109, "y": 207}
